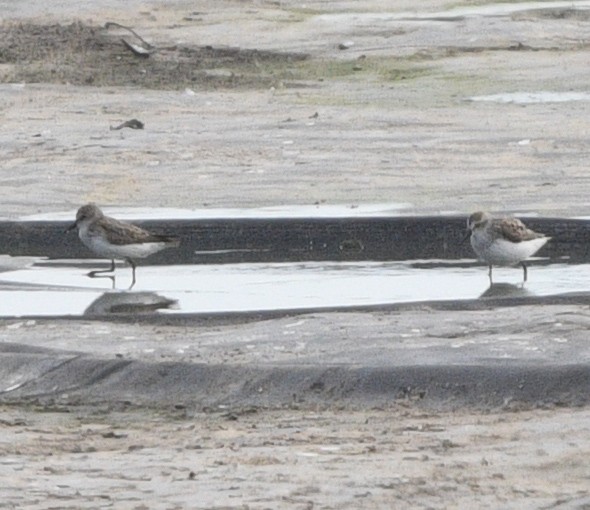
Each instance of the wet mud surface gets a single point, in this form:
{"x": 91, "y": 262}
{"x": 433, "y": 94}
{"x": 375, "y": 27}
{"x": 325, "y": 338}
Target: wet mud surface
{"x": 507, "y": 357}
{"x": 81, "y": 54}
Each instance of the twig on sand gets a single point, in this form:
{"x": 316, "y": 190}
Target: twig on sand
{"x": 145, "y": 50}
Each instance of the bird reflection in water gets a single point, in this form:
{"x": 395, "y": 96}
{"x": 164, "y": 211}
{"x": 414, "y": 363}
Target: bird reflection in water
{"x": 129, "y": 303}
{"x": 108, "y": 276}
{"x": 501, "y": 290}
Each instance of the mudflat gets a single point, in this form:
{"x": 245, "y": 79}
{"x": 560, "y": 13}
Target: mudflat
{"x": 395, "y": 458}
{"x": 439, "y": 106}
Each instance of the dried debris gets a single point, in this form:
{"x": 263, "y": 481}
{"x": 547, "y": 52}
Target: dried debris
{"x": 133, "y": 124}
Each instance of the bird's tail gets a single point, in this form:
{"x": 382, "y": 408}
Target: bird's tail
{"x": 172, "y": 242}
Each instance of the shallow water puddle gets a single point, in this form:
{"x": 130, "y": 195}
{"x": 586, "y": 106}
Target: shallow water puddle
{"x": 274, "y": 212}
{"x": 486, "y": 10}
{"x": 253, "y": 287}
{"x": 523, "y": 98}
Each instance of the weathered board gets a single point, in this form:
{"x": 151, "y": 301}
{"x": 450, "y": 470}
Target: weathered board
{"x": 291, "y": 240}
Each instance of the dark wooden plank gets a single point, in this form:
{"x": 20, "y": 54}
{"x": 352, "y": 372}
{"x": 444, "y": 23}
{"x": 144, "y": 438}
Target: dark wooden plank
{"x": 290, "y": 240}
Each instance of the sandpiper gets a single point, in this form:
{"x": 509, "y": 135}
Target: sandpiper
{"x": 114, "y": 239}
{"x": 503, "y": 241}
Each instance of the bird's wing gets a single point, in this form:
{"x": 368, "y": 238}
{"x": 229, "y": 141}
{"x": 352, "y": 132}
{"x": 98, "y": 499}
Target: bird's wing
{"x": 119, "y": 232}
{"x": 514, "y": 230}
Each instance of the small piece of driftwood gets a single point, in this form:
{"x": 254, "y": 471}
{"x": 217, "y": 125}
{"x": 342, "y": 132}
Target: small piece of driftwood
{"x": 144, "y": 50}
{"x": 146, "y": 44}
{"x": 137, "y": 50}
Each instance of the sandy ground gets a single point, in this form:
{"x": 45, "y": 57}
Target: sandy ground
{"x": 304, "y": 455}
{"x": 555, "y": 334}
{"x": 387, "y": 120}
{"x": 382, "y": 459}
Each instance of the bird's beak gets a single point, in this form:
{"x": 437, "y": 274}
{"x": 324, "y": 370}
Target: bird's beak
{"x": 71, "y": 227}
{"x": 466, "y": 236}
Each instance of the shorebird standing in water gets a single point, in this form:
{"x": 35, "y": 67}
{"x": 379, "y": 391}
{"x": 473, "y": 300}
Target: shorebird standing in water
{"x": 503, "y": 241}
{"x": 114, "y": 239}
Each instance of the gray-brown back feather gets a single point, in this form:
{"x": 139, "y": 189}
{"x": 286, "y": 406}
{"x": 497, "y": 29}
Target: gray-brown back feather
{"x": 121, "y": 233}
{"x": 514, "y": 230}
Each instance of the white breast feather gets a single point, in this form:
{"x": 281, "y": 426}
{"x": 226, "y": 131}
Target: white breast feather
{"x": 503, "y": 252}
{"x": 104, "y": 249}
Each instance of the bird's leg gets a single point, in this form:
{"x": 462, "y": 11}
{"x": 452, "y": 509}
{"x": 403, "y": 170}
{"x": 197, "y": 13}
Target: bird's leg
{"x": 524, "y": 270}
{"x": 490, "y": 274}
{"x": 93, "y": 274}
{"x": 132, "y": 264}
